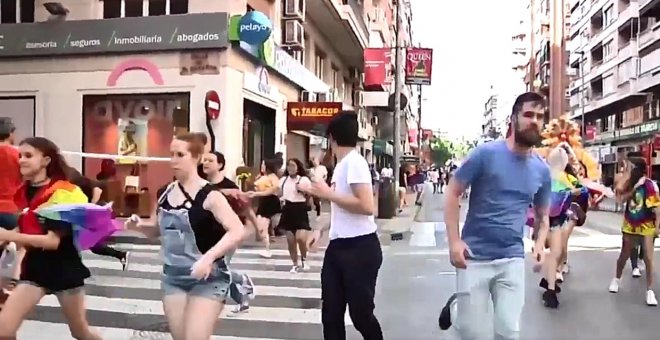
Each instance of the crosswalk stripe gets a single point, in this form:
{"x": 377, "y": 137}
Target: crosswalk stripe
{"x": 120, "y": 302}
{"x": 37, "y": 329}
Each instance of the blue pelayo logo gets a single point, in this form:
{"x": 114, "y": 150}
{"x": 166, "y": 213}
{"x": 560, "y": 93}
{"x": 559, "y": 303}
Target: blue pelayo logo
{"x": 254, "y": 28}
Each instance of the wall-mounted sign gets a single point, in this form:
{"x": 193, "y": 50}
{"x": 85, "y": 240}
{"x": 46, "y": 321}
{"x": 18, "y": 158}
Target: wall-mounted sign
{"x": 636, "y": 131}
{"x": 419, "y": 65}
{"x": 293, "y": 70}
{"x": 199, "y": 62}
{"x": 121, "y": 35}
{"x": 309, "y": 116}
{"x": 377, "y": 67}
{"x": 264, "y": 80}
{"x": 254, "y": 28}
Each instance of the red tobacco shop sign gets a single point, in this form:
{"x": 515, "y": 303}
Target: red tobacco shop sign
{"x": 308, "y": 116}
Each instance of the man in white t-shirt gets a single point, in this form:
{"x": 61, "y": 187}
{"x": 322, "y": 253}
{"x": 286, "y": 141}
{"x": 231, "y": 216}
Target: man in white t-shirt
{"x": 353, "y": 257}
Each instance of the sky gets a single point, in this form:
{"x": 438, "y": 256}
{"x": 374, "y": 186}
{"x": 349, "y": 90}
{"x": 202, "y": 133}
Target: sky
{"x": 471, "y": 42}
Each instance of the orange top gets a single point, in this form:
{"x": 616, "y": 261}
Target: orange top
{"x": 10, "y": 178}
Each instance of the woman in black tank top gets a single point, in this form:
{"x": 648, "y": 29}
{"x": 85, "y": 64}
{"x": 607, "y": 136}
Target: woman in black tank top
{"x": 198, "y": 228}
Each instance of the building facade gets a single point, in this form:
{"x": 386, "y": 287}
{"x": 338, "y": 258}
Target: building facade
{"x": 121, "y": 72}
{"x": 614, "y": 93}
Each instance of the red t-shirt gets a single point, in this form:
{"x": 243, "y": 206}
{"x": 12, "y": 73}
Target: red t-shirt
{"x": 10, "y": 178}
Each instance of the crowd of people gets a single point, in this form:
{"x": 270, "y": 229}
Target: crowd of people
{"x": 200, "y": 218}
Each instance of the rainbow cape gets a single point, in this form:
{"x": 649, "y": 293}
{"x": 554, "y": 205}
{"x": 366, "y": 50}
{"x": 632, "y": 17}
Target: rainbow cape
{"x": 91, "y": 223}
{"x": 560, "y": 198}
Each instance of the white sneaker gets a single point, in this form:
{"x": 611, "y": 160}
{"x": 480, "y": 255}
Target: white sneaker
{"x": 614, "y": 285}
{"x": 305, "y": 266}
{"x": 266, "y": 254}
{"x": 650, "y": 298}
{"x": 636, "y": 272}
{"x": 560, "y": 277}
{"x": 565, "y": 269}
{"x": 294, "y": 269}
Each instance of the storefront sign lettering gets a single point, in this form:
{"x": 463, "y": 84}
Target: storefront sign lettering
{"x": 290, "y": 68}
{"x": 314, "y": 112}
{"x": 308, "y": 116}
{"x": 156, "y": 33}
{"x": 134, "y": 108}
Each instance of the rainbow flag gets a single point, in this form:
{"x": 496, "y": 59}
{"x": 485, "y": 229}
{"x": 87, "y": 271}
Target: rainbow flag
{"x": 91, "y": 223}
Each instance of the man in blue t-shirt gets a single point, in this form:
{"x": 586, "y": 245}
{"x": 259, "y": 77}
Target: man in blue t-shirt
{"x": 505, "y": 177}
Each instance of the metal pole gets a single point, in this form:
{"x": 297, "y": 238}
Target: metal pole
{"x": 397, "y": 96}
{"x": 582, "y": 101}
{"x": 557, "y": 60}
{"x": 419, "y": 123}
{"x": 532, "y": 46}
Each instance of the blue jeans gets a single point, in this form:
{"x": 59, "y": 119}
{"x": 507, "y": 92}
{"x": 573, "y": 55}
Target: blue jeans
{"x": 500, "y": 281}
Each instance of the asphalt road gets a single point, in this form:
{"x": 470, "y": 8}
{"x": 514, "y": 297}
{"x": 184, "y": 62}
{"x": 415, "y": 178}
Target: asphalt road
{"x": 416, "y": 279}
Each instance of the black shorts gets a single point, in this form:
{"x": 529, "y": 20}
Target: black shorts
{"x": 294, "y": 217}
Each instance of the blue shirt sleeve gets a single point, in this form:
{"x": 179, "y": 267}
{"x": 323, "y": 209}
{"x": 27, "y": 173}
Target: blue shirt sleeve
{"x": 542, "y": 197}
{"x": 472, "y": 168}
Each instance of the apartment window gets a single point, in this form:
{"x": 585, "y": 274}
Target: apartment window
{"x": 8, "y": 11}
{"x": 319, "y": 62}
{"x": 608, "y": 16}
{"x": 608, "y": 51}
{"x": 138, "y": 8}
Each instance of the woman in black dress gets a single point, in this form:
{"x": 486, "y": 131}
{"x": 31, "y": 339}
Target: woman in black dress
{"x": 52, "y": 264}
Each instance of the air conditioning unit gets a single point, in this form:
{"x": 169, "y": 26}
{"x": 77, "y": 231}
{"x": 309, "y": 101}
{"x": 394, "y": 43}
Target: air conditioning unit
{"x": 322, "y": 97}
{"x": 294, "y": 9}
{"x": 307, "y": 96}
{"x": 294, "y": 35}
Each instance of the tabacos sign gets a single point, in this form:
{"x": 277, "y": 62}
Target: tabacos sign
{"x": 309, "y": 115}
{"x": 254, "y": 28}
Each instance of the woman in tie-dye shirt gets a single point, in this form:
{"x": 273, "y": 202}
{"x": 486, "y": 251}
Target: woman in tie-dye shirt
{"x": 642, "y": 205}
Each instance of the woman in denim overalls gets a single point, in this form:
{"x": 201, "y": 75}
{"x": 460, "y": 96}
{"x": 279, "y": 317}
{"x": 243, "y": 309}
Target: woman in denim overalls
{"x": 198, "y": 227}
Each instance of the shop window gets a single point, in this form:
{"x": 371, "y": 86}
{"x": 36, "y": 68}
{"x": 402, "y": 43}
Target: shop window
{"x": 319, "y": 63}
{"x": 157, "y": 7}
{"x": 111, "y": 9}
{"x": 179, "y": 7}
{"x": 133, "y": 8}
{"x": 132, "y": 125}
{"x": 21, "y": 111}
{"x": 8, "y": 11}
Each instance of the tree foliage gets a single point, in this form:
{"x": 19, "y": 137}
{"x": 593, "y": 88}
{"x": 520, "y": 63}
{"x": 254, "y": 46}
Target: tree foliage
{"x": 440, "y": 151}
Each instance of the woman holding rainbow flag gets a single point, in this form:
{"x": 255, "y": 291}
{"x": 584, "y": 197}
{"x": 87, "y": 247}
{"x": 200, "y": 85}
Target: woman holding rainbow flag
{"x": 56, "y": 223}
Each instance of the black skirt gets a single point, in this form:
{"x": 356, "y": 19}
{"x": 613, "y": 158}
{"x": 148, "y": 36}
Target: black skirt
{"x": 294, "y": 216}
{"x": 269, "y": 206}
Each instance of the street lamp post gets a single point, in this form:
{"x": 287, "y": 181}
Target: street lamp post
{"x": 583, "y": 129}
{"x": 397, "y": 96}
{"x": 419, "y": 122}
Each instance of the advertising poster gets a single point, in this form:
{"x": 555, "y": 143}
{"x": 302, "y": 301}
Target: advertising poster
{"x": 377, "y": 67}
{"x": 132, "y": 139}
{"x": 419, "y": 64}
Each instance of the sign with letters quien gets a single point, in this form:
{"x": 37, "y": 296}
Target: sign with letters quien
{"x": 120, "y": 35}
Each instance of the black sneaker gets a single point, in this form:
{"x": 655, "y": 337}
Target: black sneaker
{"x": 444, "y": 321}
{"x": 124, "y": 260}
{"x": 550, "y": 299}
{"x": 544, "y": 284}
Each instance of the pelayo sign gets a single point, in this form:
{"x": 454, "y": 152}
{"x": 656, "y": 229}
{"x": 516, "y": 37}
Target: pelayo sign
{"x": 254, "y": 28}
{"x": 158, "y": 33}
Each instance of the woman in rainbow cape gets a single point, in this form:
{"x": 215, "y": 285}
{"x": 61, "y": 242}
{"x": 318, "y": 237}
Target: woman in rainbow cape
{"x": 571, "y": 194}
{"x": 55, "y": 225}
{"x": 640, "y": 221}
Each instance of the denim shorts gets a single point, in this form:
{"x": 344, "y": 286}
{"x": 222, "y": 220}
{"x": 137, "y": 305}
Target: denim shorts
{"x": 177, "y": 280}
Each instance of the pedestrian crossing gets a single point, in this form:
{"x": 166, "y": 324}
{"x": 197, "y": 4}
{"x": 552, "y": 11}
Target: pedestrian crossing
{"x": 127, "y": 304}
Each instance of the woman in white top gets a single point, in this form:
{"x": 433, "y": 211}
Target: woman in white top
{"x": 294, "y": 220}
{"x": 319, "y": 173}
